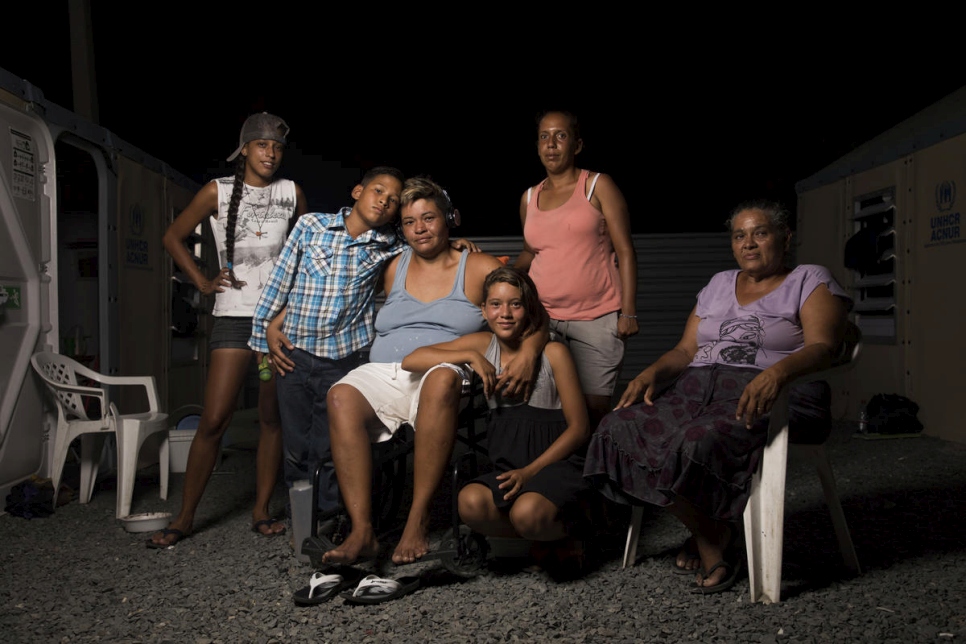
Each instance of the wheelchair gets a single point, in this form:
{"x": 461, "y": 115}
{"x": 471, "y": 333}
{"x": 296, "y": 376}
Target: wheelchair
{"x": 462, "y": 552}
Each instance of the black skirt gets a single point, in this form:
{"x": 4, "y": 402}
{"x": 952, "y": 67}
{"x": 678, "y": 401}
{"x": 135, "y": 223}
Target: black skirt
{"x": 516, "y": 437}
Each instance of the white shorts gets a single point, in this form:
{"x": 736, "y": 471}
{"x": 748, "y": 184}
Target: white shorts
{"x": 393, "y": 393}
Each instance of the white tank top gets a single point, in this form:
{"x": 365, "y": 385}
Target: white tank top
{"x": 260, "y": 233}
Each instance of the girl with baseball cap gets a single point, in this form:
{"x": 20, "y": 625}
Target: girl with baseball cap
{"x": 251, "y": 214}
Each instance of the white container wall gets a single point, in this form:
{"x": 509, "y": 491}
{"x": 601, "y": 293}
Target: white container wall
{"x": 83, "y": 271}
{"x": 904, "y": 192}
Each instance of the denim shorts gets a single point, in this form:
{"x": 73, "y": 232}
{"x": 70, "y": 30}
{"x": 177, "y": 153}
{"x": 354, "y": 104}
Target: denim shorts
{"x": 230, "y": 333}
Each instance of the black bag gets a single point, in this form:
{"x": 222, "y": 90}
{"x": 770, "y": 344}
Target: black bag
{"x": 893, "y": 414}
{"x": 30, "y": 500}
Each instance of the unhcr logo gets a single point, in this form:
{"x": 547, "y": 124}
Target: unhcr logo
{"x": 136, "y": 250}
{"x": 945, "y": 195}
{"x": 945, "y": 227}
{"x": 137, "y": 220}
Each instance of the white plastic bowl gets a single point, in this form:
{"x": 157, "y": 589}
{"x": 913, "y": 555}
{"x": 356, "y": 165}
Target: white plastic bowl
{"x": 146, "y": 522}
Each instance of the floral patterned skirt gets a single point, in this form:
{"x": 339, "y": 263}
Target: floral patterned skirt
{"x": 689, "y": 443}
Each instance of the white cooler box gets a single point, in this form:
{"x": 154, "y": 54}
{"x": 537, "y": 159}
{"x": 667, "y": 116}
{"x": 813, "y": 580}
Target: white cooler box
{"x": 179, "y": 441}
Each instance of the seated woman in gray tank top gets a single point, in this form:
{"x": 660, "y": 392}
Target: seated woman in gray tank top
{"x": 434, "y": 293}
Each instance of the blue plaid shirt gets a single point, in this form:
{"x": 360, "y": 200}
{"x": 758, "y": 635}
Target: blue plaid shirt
{"x": 327, "y": 279}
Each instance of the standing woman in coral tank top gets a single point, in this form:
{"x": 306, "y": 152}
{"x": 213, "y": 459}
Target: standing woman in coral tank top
{"x": 578, "y": 250}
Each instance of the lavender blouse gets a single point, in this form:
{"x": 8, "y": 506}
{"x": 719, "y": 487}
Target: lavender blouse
{"x": 763, "y": 332}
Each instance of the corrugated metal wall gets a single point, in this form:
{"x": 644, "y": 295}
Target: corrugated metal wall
{"x": 671, "y": 269}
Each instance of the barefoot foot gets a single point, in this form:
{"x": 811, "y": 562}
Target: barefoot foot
{"x": 358, "y": 545}
{"x": 413, "y": 544}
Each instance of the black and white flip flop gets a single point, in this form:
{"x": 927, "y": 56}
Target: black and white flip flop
{"x": 375, "y": 590}
{"x": 323, "y": 586}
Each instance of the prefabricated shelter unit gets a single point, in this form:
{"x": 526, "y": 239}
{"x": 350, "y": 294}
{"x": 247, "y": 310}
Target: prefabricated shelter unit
{"x": 83, "y": 270}
{"x": 886, "y": 219}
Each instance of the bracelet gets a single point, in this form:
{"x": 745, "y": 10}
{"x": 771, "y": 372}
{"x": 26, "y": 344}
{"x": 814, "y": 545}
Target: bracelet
{"x": 633, "y": 317}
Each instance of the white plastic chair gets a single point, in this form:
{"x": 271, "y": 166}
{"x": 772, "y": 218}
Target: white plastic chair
{"x": 764, "y": 515}
{"x": 61, "y": 375}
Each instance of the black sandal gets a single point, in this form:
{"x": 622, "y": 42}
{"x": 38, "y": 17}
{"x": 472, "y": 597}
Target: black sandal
{"x": 731, "y": 559}
{"x": 690, "y": 550}
{"x": 722, "y": 585}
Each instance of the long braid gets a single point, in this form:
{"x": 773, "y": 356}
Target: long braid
{"x": 232, "y": 219}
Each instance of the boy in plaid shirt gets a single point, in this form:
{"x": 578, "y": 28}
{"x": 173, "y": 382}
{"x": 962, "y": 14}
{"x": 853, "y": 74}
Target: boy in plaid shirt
{"x": 321, "y": 296}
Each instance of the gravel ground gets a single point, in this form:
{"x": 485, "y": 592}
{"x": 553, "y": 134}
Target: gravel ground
{"x": 79, "y": 577}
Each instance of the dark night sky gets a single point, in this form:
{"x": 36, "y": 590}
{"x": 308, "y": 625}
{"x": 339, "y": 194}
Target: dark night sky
{"x": 687, "y": 129}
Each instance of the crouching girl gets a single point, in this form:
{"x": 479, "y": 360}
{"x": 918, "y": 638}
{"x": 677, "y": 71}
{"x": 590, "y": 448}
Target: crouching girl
{"x": 536, "y": 446}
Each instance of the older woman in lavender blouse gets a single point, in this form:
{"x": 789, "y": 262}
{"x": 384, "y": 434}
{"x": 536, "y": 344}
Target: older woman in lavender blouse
{"x": 695, "y": 441}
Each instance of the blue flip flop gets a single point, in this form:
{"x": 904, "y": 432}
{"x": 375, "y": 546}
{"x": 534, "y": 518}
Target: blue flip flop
{"x": 268, "y": 523}
{"x": 165, "y": 533}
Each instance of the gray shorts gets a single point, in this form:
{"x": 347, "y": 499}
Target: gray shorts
{"x": 230, "y": 333}
{"x": 597, "y": 350}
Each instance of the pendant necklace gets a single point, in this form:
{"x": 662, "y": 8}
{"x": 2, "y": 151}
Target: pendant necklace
{"x": 258, "y": 222}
